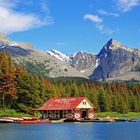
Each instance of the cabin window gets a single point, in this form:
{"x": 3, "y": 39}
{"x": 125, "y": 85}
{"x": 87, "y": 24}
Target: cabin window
{"x": 57, "y": 111}
{"x": 52, "y": 111}
{"x": 77, "y": 111}
{"x": 90, "y": 111}
{"x": 65, "y": 111}
{"x": 84, "y": 103}
{"x": 68, "y": 111}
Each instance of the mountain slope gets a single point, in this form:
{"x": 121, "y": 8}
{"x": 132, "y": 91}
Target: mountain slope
{"x": 81, "y": 61}
{"x": 39, "y": 62}
{"x": 115, "y": 59}
{"x": 59, "y": 55}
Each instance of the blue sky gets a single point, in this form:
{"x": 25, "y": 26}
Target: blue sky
{"x": 71, "y": 25}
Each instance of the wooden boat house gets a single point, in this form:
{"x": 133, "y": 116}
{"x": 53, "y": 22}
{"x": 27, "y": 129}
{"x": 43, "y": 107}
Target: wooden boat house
{"x": 69, "y": 107}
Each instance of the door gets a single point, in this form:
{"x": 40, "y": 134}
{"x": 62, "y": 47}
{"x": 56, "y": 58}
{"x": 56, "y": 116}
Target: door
{"x": 84, "y": 114}
{"x": 61, "y": 113}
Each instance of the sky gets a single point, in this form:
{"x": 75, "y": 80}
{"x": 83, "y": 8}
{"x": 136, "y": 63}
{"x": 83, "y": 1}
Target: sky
{"x": 70, "y": 26}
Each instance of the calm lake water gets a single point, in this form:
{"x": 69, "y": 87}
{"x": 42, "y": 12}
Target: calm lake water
{"x": 71, "y": 131}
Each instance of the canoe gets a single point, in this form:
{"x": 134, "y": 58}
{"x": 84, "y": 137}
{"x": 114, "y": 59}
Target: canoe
{"x": 23, "y": 120}
{"x": 35, "y": 122}
{"x": 6, "y": 120}
{"x": 58, "y": 121}
{"x": 29, "y": 118}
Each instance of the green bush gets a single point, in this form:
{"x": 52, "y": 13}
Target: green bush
{"x": 11, "y": 113}
{"x": 115, "y": 114}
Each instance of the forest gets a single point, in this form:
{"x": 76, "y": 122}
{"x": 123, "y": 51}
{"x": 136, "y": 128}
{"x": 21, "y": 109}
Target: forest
{"x": 24, "y": 91}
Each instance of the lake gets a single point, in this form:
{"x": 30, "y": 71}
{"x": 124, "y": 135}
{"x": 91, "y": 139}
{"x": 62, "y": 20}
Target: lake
{"x": 71, "y": 131}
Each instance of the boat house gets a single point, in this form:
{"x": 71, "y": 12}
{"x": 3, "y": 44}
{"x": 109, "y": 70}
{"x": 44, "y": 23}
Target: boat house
{"x": 69, "y": 107}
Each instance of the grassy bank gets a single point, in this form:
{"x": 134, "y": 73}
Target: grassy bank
{"x": 115, "y": 114}
{"x": 11, "y": 113}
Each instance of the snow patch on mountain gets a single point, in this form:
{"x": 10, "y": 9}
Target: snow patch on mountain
{"x": 97, "y": 63}
{"x": 2, "y": 46}
{"x": 82, "y": 71}
{"x": 13, "y": 44}
{"x": 59, "y": 55}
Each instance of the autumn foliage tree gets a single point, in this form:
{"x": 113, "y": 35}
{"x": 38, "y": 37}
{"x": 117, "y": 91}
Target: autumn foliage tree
{"x": 7, "y": 83}
{"x": 24, "y": 91}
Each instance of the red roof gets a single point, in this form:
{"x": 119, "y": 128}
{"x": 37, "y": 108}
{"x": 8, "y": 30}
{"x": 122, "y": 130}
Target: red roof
{"x": 67, "y": 103}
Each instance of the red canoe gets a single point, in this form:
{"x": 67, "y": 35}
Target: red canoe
{"x": 35, "y": 122}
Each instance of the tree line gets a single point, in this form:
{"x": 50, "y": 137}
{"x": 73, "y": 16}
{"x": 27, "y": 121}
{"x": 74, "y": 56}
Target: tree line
{"x": 116, "y": 97}
{"x": 24, "y": 91}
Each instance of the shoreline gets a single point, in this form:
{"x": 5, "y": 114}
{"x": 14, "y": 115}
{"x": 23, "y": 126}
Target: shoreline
{"x": 13, "y": 113}
{"x": 115, "y": 114}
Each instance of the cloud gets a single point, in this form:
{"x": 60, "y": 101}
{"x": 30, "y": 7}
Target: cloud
{"x": 15, "y": 21}
{"x": 103, "y": 12}
{"x": 103, "y": 29}
{"x": 127, "y": 5}
{"x": 7, "y": 3}
{"x": 93, "y": 18}
{"x": 98, "y": 23}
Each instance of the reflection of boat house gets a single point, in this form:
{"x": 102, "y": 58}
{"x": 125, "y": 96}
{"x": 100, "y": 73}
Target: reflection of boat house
{"x": 69, "y": 107}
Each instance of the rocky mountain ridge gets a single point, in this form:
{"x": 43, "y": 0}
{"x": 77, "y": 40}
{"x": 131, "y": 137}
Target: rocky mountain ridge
{"x": 38, "y": 62}
{"x": 115, "y": 61}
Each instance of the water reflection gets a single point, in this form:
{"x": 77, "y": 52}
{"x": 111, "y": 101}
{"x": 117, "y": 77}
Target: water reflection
{"x": 71, "y": 131}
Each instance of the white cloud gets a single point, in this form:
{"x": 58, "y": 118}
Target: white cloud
{"x": 14, "y": 21}
{"x": 127, "y": 5}
{"x": 98, "y": 23}
{"x": 93, "y": 18}
{"x": 103, "y": 12}
{"x": 103, "y": 29}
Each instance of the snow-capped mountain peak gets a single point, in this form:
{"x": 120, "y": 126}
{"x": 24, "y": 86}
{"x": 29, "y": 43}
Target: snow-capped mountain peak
{"x": 2, "y": 45}
{"x": 59, "y": 55}
{"x": 6, "y": 42}
{"x": 77, "y": 53}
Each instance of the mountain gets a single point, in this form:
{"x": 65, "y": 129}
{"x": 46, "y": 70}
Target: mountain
{"x": 37, "y": 62}
{"x": 115, "y": 61}
{"x": 81, "y": 61}
{"x": 59, "y": 55}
